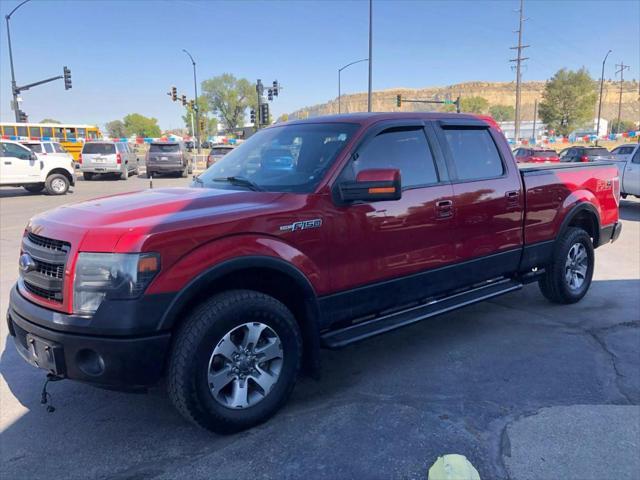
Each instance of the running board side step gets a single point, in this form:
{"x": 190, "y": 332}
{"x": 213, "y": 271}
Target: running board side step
{"x": 369, "y": 328}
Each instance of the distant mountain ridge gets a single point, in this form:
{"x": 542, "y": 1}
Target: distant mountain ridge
{"x": 497, "y": 93}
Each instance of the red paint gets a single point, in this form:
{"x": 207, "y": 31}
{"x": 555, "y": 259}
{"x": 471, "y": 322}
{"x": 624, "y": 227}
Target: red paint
{"x": 195, "y": 229}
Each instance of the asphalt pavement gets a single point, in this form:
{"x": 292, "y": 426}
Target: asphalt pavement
{"x": 523, "y": 388}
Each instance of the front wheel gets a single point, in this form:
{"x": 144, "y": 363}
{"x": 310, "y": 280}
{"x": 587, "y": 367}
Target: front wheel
{"x": 568, "y": 277}
{"x": 235, "y": 361}
{"x": 57, "y": 184}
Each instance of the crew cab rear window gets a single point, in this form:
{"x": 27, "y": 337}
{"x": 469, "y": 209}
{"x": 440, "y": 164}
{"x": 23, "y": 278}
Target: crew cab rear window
{"x": 404, "y": 149}
{"x": 164, "y": 147}
{"x": 474, "y": 153}
{"x": 99, "y": 148}
{"x": 545, "y": 153}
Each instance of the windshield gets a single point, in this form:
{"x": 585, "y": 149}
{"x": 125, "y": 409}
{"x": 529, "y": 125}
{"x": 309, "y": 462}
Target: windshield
{"x": 545, "y": 153}
{"x": 220, "y": 151}
{"x": 164, "y": 147}
{"x": 99, "y": 148}
{"x": 34, "y": 147}
{"x": 291, "y": 158}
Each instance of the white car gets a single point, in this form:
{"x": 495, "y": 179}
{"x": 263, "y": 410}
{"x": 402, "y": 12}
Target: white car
{"x": 627, "y": 157}
{"x": 20, "y": 167}
{"x": 42, "y": 149}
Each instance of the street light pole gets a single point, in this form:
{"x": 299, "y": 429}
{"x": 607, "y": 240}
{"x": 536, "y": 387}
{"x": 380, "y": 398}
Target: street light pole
{"x": 370, "y": 53}
{"x": 14, "y": 87}
{"x": 195, "y": 103}
{"x": 600, "y": 100}
{"x": 339, "y": 72}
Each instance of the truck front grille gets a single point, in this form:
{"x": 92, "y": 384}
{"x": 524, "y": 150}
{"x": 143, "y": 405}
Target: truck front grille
{"x": 45, "y": 278}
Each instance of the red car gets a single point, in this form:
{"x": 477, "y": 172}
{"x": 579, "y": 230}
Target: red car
{"x": 536, "y": 155}
{"x": 229, "y": 288}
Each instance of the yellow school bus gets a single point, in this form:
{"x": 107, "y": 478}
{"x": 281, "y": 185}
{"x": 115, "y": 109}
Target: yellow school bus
{"x": 70, "y": 136}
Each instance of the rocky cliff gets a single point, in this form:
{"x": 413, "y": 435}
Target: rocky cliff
{"x": 495, "y": 92}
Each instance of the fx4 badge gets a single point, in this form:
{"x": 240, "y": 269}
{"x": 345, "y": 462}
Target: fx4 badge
{"x": 303, "y": 225}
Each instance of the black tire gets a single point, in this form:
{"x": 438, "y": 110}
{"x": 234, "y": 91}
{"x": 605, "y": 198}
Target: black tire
{"x": 34, "y": 188}
{"x": 204, "y": 328}
{"x": 554, "y": 284}
{"x": 57, "y": 184}
{"x": 88, "y": 175}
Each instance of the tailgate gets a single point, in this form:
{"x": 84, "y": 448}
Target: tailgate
{"x": 553, "y": 190}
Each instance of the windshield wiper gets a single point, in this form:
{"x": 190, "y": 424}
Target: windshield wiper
{"x": 241, "y": 181}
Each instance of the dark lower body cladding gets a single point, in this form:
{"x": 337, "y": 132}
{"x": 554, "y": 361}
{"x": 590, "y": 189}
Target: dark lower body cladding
{"x": 120, "y": 363}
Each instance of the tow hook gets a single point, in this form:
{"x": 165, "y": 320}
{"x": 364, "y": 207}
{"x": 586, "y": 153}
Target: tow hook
{"x": 45, "y": 397}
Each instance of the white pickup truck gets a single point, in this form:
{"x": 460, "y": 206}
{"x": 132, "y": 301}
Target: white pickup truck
{"x": 627, "y": 158}
{"x": 20, "y": 167}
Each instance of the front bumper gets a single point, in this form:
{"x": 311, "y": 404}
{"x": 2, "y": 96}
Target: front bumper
{"x": 110, "y": 361}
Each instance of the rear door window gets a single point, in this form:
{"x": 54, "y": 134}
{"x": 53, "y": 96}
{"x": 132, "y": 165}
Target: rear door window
{"x": 99, "y": 148}
{"x": 34, "y": 147}
{"x": 48, "y": 147}
{"x": 474, "y": 153}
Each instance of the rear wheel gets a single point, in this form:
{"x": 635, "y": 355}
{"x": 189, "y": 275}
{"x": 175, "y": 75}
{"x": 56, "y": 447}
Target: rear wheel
{"x": 87, "y": 175}
{"x": 235, "y": 361}
{"x": 35, "y": 188}
{"x": 57, "y": 184}
{"x": 568, "y": 277}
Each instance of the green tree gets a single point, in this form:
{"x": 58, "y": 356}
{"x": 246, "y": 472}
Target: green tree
{"x": 229, "y": 97}
{"x": 49, "y": 120}
{"x": 116, "y": 129}
{"x": 136, "y": 124}
{"x": 474, "y": 104}
{"x": 568, "y": 100}
{"x": 502, "y": 113}
{"x": 625, "y": 126}
{"x": 210, "y": 122}
{"x": 283, "y": 118}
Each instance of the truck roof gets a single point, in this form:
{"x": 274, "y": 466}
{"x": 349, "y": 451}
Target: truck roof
{"x": 372, "y": 117}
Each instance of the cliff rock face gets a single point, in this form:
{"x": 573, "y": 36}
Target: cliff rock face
{"x": 496, "y": 93}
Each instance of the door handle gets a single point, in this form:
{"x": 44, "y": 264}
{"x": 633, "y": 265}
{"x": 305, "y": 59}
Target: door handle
{"x": 7, "y": 163}
{"x": 444, "y": 208}
{"x": 512, "y": 195}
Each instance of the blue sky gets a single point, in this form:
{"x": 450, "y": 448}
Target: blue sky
{"x": 124, "y": 55}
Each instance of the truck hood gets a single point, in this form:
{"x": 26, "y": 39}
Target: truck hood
{"x": 101, "y": 222}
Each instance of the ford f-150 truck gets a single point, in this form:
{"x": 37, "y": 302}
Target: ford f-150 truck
{"x": 312, "y": 233}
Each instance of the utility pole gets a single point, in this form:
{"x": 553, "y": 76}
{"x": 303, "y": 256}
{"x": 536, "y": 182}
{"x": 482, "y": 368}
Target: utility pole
{"x": 339, "y": 72}
{"x": 519, "y": 59}
{"x": 620, "y": 71}
{"x": 196, "y": 132}
{"x": 370, "y": 53}
{"x": 600, "y": 99}
{"x": 535, "y": 118}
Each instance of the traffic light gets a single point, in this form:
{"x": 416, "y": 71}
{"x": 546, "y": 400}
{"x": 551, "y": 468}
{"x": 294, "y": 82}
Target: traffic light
{"x": 202, "y": 125}
{"x": 270, "y": 94}
{"x": 174, "y": 94}
{"x": 264, "y": 114}
{"x": 399, "y": 100}
{"x": 23, "y": 117}
{"x": 275, "y": 88}
{"x": 192, "y": 104}
{"x": 253, "y": 116}
{"x": 184, "y": 100}
{"x": 67, "y": 77}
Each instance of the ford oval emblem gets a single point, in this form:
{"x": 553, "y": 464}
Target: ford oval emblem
{"x": 26, "y": 263}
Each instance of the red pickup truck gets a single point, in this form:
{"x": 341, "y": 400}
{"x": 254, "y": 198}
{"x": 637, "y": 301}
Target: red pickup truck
{"x": 312, "y": 233}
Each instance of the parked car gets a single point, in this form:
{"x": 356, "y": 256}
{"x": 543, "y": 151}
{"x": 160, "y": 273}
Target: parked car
{"x": 217, "y": 152}
{"x": 627, "y": 158}
{"x": 45, "y": 149}
{"x": 229, "y": 288}
{"x": 585, "y": 154}
{"x": 108, "y": 157}
{"x": 535, "y": 155}
{"x": 21, "y": 167}
{"x": 168, "y": 157}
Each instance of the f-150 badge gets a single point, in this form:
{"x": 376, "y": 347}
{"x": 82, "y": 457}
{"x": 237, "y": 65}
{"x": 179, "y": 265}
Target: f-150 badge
{"x": 303, "y": 225}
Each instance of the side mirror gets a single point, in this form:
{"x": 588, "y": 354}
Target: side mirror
{"x": 372, "y": 186}
{"x": 33, "y": 156}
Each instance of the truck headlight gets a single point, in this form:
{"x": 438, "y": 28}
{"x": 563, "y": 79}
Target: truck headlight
{"x": 111, "y": 275}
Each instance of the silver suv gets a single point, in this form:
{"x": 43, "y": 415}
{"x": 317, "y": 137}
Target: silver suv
{"x": 107, "y": 157}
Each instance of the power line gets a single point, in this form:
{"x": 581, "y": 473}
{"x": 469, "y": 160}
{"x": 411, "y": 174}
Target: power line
{"x": 519, "y": 59}
{"x": 620, "y": 71}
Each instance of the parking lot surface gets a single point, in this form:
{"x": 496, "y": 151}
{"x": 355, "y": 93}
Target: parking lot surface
{"x": 522, "y": 388}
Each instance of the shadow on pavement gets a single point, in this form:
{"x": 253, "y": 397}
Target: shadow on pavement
{"x": 446, "y": 385}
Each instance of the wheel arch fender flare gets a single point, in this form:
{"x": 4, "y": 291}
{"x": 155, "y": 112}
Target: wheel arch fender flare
{"x": 576, "y": 210}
